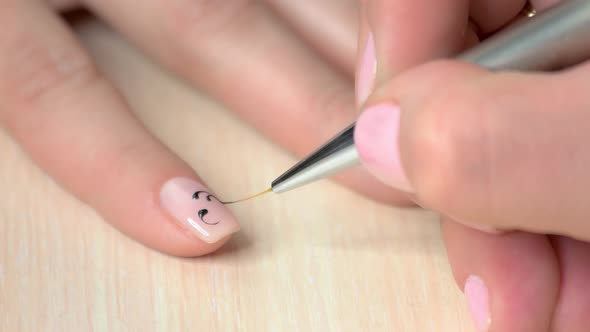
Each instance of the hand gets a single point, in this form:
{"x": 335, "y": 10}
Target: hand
{"x": 500, "y": 151}
{"x": 79, "y": 129}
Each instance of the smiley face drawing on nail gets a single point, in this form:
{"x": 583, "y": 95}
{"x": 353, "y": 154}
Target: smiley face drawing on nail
{"x": 206, "y": 198}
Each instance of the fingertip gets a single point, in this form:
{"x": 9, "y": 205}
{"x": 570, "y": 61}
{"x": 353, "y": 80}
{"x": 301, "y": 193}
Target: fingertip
{"x": 413, "y": 136}
{"x": 518, "y": 271}
{"x": 167, "y": 218}
{"x": 195, "y": 248}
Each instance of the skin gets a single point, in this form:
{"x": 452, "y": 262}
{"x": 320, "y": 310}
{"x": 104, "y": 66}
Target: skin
{"x": 298, "y": 49}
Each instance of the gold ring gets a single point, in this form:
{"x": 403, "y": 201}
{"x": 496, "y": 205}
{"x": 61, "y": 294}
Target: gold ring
{"x": 528, "y": 10}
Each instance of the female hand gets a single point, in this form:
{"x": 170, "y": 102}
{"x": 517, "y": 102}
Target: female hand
{"x": 80, "y": 130}
{"x": 488, "y": 151}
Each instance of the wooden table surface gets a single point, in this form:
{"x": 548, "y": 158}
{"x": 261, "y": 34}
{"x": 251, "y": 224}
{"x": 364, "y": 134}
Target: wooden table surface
{"x": 321, "y": 258}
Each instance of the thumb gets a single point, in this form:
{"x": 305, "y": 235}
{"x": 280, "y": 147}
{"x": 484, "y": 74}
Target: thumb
{"x": 505, "y": 149}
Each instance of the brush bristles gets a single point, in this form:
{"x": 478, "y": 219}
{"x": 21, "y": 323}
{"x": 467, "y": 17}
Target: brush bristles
{"x": 250, "y": 197}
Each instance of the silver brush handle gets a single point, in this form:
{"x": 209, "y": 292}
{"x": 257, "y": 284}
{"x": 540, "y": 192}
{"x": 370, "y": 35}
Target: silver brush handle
{"x": 336, "y": 155}
{"x": 554, "y": 39}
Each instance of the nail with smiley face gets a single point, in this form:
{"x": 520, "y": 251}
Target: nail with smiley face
{"x": 197, "y": 210}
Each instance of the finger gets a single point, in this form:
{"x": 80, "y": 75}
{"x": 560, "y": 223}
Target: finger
{"x": 510, "y": 281}
{"x": 63, "y": 4}
{"x": 573, "y": 305}
{"x": 402, "y": 34}
{"x": 330, "y": 26}
{"x": 504, "y": 149}
{"x": 242, "y": 55}
{"x": 491, "y": 15}
{"x": 74, "y": 125}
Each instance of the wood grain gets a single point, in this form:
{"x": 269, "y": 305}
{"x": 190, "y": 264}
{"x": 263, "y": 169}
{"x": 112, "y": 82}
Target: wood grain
{"x": 318, "y": 259}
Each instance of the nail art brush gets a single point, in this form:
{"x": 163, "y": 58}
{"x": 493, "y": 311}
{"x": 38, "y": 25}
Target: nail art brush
{"x": 554, "y": 39}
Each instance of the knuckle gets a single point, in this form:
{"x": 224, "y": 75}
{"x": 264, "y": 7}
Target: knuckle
{"x": 34, "y": 73}
{"x": 455, "y": 147}
{"x": 33, "y": 70}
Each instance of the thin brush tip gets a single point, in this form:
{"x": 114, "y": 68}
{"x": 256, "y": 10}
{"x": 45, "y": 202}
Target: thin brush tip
{"x": 266, "y": 191}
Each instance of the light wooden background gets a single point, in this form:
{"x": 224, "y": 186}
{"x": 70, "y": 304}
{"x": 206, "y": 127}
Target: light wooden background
{"x": 318, "y": 259}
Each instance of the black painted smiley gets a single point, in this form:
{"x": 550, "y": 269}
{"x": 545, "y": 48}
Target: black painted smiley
{"x": 204, "y": 212}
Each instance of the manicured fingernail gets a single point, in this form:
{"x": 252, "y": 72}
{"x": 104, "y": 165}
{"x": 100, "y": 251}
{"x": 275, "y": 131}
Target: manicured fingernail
{"x": 197, "y": 210}
{"x": 376, "y": 139}
{"x": 366, "y": 72}
{"x": 478, "y": 302}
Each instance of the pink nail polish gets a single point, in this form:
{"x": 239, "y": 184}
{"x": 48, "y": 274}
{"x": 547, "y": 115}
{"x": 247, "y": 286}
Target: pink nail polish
{"x": 366, "y": 72}
{"x": 196, "y": 209}
{"x": 376, "y": 139}
{"x": 478, "y": 302}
